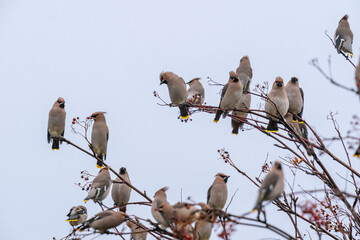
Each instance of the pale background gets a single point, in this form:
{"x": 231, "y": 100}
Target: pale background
{"x": 107, "y": 56}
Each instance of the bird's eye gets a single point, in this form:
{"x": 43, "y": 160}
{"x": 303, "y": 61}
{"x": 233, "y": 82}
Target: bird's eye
{"x": 59, "y": 101}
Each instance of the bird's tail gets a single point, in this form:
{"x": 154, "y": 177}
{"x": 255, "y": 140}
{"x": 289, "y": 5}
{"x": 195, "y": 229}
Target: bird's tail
{"x": 357, "y": 152}
{"x": 55, "y": 144}
{"x": 272, "y": 126}
{"x": 218, "y": 115}
{"x": 184, "y": 114}
{"x": 99, "y": 163}
{"x": 303, "y": 129}
{"x": 122, "y": 209}
{"x": 235, "y": 125}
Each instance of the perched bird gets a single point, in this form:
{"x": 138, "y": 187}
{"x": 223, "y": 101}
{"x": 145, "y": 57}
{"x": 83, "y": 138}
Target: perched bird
{"x": 294, "y": 124}
{"x": 196, "y": 92}
{"x": 120, "y": 192}
{"x": 344, "y": 36}
{"x": 278, "y": 97}
{"x": 177, "y": 91}
{"x": 244, "y": 104}
{"x": 179, "y": 217}
{"x": 204, "y": 224}
{"x": 77, "y": 215}
{"x": 159, "y": 200}
{"x": 105, "y": 220}
{"x": 295, "y": 96}
{"x": 138, "y": 231}
{"x": 185, "y": 213}
{"x": 100, "y": 186}
{"x": 56, "y": 123}
{"x": 272, "y": 186}
{"x": 218, "y": 193}
{"x": 99, "y": 136}
{"x": 245, "y": 67}
{"x": 230, "y": 96}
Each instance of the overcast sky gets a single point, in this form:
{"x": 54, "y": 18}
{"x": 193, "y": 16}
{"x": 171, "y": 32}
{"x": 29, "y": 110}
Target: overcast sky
{"x": 107, "y": 56}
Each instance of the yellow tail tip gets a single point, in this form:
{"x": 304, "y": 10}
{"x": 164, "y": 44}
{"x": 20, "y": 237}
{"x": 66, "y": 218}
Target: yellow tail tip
{"x": 98, "y": 166}
{"x": 294, "y": 120}
{"x": 351, "y": 54}
{"x": 301, "y": 121}
{"x": 71, "y": 220}
{"x": 254, "y": 210}
{"x": 215, "y": 121}
{"x": 186, "y": 117}
{"x": 52, "y": 148}
{"x": 85, "y": 201}
{"x": 357, "y": 155}
{"x": 234, "y": 133}
{"x": 271, "y": 131}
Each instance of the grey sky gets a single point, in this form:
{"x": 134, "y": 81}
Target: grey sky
{"x": 107, "y": 56}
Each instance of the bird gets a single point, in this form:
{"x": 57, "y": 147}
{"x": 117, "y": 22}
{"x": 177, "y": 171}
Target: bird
{"x": 177, "y": 91}
{"x": 138, "y": 231}
{"x": 244, "y": 104}
{"x": 196, "y": 92}
{"x": 230, "y": 96}
{"x": 204, "y": 224}
{"x": 344, "y": 36}
{"x": 245, "y": 67}
{"x": 56, "y": 123}
{"x": 185, "y": 213}
{"x": 159, "y": 200}
{"x": 120, "y": 192}
{"x": 104, "y": 221}
{"x": 179, "y": 217}
{"x": 277, "y": 97}
{"x": 100, "y": 186}
{"x": 272, "y": 186}
{"x": 77, "y": 215}
{"x": 295, "y": 96}
{"x": 99, "y": 136}
{"x": 218, "y": 192}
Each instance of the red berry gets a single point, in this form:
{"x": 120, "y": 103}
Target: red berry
{"x": 73, "y": 122}
{"x": 74, "y": 119}
{"x": 88, "y": 118}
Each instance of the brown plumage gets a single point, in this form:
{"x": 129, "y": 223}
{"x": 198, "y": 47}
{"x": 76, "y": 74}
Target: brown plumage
{"x": 99, "y": 136}
{"x": 295, "y": 96}
{"x": 159, "y": 200}
{"x": 56, "y": 123}
{"x": 100, "y": 186}
{"x": 272, "y": 186}
{"x": 138, "y": 231}
{"x": 344, "y": 36}
{"x": 244, "y": 103}
{"x": 218, "y": 192}
{"x": 196, "y": 92}
{"x": 105, "y": 220}
{"x": 278, "y": 104}
{"x": 230, "y": 96}
{"x": 177, "y": 91}
{"x": 245, "y": 67}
